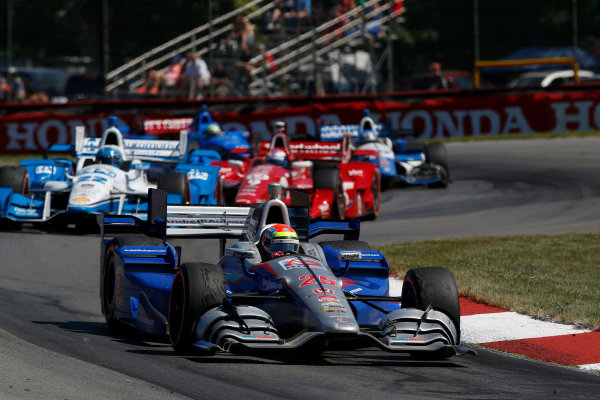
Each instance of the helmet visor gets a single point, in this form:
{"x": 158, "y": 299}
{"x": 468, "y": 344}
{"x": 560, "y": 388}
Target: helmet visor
{"x": 285, "y": 246}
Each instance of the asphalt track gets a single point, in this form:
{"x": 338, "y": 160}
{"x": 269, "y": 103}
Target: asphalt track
{"x": 54, "y": 342}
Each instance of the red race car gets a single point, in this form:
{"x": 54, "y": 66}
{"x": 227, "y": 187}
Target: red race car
{"x": 339, "y": 188}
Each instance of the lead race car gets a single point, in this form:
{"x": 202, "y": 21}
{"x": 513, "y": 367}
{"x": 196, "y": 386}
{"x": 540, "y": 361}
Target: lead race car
{"x": 273, "y": 289}
{"x": 108, "y": 176}
{"x": 402, "y": 159}
{"x": 338, "y": 187}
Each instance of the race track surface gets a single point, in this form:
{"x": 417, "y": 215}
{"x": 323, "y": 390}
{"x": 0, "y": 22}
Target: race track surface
{"x": 54, "y": 342}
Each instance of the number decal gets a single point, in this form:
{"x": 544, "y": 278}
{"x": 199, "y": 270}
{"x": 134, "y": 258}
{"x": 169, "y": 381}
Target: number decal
{"x": 310, "y": 280}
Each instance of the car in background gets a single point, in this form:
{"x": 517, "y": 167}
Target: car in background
{"x": 551, "y": 78}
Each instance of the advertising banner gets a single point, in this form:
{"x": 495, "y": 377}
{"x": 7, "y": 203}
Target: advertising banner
{"x": 477, "y": 115}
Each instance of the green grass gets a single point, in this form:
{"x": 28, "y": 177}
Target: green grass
{"x": 553, "y": 277}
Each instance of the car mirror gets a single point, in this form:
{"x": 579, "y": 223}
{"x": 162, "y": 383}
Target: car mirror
{"x": 237, "y": 253}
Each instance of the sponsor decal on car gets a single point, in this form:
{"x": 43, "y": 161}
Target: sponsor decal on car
{"x": 355, "y": 172}
{"x": 45, "y": 170}
{"x": 29, "y": 212}
{"x": 329, "y": 299}
{"x": 291, "y": 263}
{"x": 195, "y": 174}
{"x": 328, "y": 307}
{"x": 324, "y": 290}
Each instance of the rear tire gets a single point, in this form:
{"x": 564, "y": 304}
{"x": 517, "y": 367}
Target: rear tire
{"x": 175, "y": 183}
{"x": 197, "y": 287}
{"x": 328, "y": 178}
{"x": 376, "y": 190}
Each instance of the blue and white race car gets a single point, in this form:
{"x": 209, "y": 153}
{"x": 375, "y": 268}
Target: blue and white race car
{"x": 402, "y": 160}
{"x": 109, "y": 176}
{"x": 273, "y": 289}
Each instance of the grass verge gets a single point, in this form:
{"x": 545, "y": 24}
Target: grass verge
{"x": 550, "y": 277}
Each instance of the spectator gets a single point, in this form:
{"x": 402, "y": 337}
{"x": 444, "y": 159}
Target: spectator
{"x": 264, "y": 58}
{"x": 168, "y": 79}
{"x": 398, "y": 8}
{"x": 219, "y": 83}
{"x": 440, "y": 81}
{"x": 242, "y": 33}
{"x": 16, "y": 86}
{"x": 39, "y": 97}
{"x": 276, "y": 15}
{"x": 4, "y": 89}
{"x": 300, "y": 10}
{"x": 195, "y": 75}
{"x": 242, "y": 70}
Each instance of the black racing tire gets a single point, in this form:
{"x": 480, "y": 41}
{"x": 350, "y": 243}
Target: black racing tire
{"x": 192, "y": 146}
{"x": 376, "y": 190}
{"x": 326, "y": 178}
{"x": 329, "y": 178}
{"x": 16, "y": 178}
{"x": 197, "y": 287}
{"x": 219, "y": 197}
{"x": 175, "y": 183}
{"x": 109, "y": 276}
{"x": 435, "y": 287}
{"x": 358, "y": 245}
{"x": 436, "y": 155}
{"x": 415, "y": 146}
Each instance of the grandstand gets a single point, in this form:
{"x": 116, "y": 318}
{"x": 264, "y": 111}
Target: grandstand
{"x": 319, "y": 54}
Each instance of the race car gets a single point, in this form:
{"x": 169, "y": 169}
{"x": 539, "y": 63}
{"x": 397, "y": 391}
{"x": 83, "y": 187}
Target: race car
{"x": 401, "y": 159}
{"x": 108, "y": 176}
{"x": 272, "y": 289}
{"x": 339, "y": 188}
{"x": 204, "y": 133}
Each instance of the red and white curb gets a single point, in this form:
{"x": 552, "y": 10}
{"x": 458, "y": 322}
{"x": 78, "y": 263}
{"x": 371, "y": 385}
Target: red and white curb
{"x": 515, "y": 333}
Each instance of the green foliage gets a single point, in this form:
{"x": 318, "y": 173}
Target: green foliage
{"x": 554, "y": 277}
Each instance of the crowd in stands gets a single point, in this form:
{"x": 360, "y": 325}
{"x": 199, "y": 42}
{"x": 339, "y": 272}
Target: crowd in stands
{"x": 240, "y": 51}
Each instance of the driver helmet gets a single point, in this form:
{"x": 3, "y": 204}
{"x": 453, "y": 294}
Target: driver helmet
{"x": 213, "y": 130}
{"x": 278, "y": 240}
{"x": 277, "y": 157}
{"x": 368, "y": 135}
{"x": 110, "y": 155}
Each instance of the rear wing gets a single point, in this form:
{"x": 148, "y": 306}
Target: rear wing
{"x": 143, "y": 149}
{"x": 315, "y": 151}
{"x": 166, "y": 125}
{"x": 350, "y": 229}
{"x": 334, "y": 133}
{"x": 218, "y": 222}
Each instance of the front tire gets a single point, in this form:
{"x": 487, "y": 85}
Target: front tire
{"x": 436, "y": 156}
{"x": 197, "y": 287}
{"x": 435, "y": 287}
